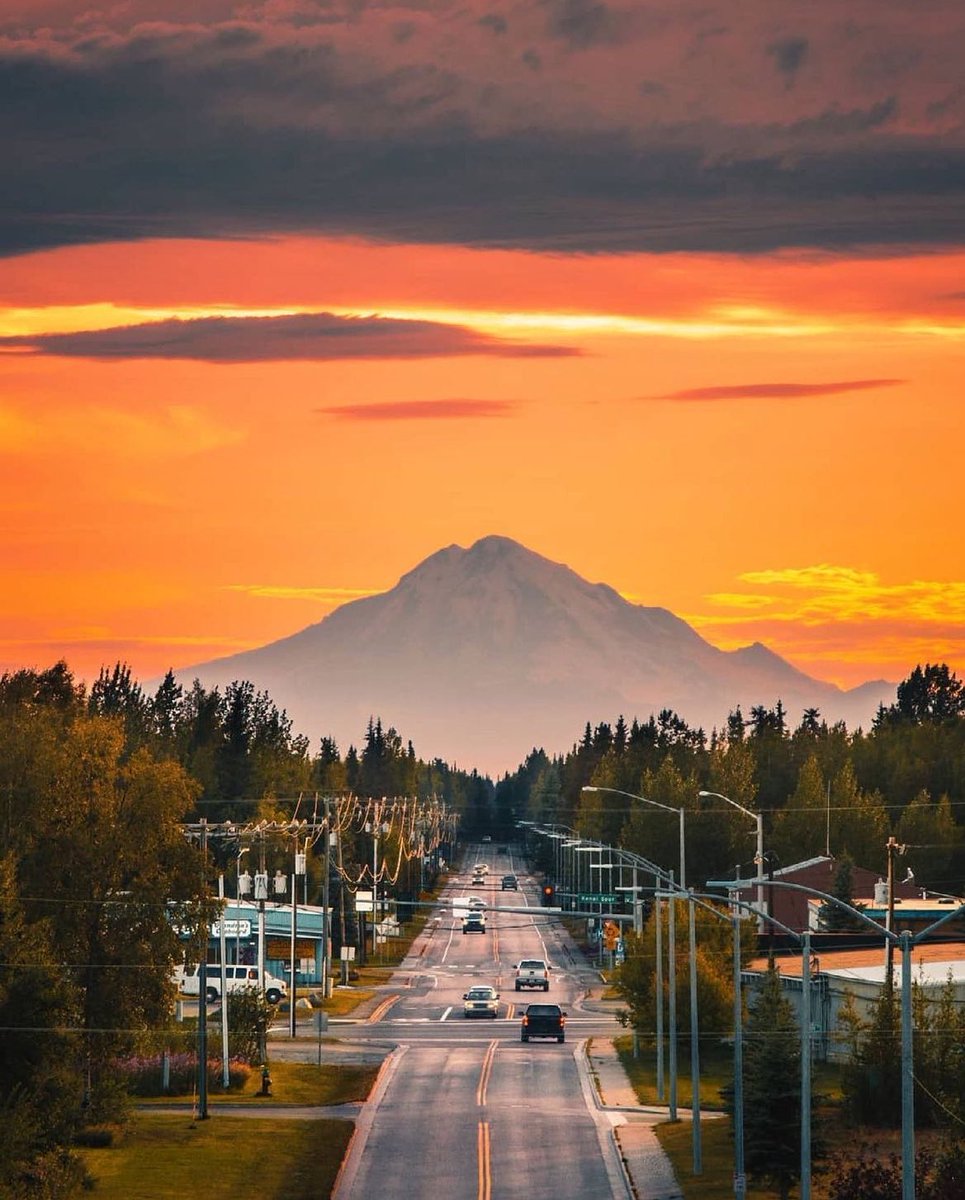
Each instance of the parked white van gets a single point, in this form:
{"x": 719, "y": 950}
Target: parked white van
{"x": 237, "y": 978}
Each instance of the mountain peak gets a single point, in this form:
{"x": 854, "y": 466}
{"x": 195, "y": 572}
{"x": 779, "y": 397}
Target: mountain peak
{"x": 479, "y": 654}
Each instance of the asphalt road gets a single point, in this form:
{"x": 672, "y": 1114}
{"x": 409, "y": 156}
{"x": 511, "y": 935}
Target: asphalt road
{"x": 463, "y": 1109}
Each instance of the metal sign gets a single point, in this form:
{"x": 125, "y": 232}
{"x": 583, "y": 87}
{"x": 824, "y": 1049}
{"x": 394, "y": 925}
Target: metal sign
{"x": 232, "y": 928}
{"x": 597, "y": 898}
{"x": 348, "y": 954}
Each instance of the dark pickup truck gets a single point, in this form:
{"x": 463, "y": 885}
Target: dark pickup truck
{"x": 543, "y": 1021}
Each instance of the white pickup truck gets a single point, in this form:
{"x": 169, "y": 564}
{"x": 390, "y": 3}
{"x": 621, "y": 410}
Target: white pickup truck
{"x": 533, "y": 973}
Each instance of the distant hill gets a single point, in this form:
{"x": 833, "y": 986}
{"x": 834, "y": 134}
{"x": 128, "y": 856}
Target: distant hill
{"x": 479, "y": 655}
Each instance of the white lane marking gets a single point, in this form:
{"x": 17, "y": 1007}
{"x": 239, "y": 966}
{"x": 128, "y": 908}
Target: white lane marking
{"x": 446, "y": 1013}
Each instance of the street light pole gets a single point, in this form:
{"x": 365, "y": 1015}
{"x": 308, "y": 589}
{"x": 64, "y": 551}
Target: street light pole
{"x": 759, "y": 857}
{"x": 658, "y": 915}
{"x": 672, "y": 996}
{"x": 805, "y": 1065}
{"x": 666, "y": 808}
{"x": 695, "y": 1038}
{"x": 905, "y": 941}
{"x": 740, "y": 1183}
{"x": 907, "y": 1074}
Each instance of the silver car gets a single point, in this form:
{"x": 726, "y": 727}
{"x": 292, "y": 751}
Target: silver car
{"x": 481, "y": 1002}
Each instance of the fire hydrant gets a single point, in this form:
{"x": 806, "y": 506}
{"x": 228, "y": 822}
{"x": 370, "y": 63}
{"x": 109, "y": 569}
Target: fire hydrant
{"x": 265, "y": 1081}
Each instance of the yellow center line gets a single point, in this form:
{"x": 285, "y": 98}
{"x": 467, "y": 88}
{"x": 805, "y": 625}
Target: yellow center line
{"x": 486, "y": 1072}
{"x": 485, "y": 1190}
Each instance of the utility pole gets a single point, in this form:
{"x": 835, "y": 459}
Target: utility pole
{"x": 225, "y": 1072}
{"x": 203, "y": 986}
{"x": 892, "y": 847}
{"x": 326, "y": 921}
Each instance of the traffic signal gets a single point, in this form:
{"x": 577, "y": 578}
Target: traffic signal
{"x": 549, "y": 893}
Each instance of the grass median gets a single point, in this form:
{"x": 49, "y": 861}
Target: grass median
{"x": 167, "y": 1157}
{"x": 162, "y": 1155}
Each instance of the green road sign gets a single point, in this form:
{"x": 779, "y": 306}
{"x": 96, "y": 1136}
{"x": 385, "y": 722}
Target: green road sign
{"x": 597, "y": 898}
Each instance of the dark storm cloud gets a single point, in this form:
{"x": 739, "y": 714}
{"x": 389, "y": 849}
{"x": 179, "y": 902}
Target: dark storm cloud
{"x": 582, "y": 23}
{"x": 789, "y": 55}
{"x": 836, "y": 123}
{"x": 778, "y": 391}
{"x": 493, "y": 21}
{"x": 228, "y": 132}
{"x": 420, "y": 410}
{"x": 302, "y": 337}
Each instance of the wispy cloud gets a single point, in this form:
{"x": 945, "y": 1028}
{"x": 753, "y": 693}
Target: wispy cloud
{"x": 175, "y": 430}
{"x": 828, "y": 614}
{"x": 324, "y": 595}
{"x": 292, "y": 337}
{"x": 778, "y": 391}
{"x": 421, "y": 410}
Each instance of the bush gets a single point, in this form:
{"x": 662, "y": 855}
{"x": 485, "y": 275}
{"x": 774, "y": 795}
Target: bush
{"x": 939, "y": 1175}
{"x": 249, "y": 1016}
{"x": 143, "y": 1075}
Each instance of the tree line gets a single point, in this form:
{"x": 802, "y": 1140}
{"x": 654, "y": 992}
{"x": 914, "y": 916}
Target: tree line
{"x": 98, "y": 880}
{"x": 819, "y": 786}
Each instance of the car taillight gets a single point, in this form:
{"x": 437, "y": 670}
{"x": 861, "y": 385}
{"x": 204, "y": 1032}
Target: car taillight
{"x": 562, "y": 1020}
{"x": 525, "y": 1020}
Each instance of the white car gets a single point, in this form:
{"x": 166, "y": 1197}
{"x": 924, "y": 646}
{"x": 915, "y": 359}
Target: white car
{"x": 481, "y": 1002}
{"x": 481, "y": 869}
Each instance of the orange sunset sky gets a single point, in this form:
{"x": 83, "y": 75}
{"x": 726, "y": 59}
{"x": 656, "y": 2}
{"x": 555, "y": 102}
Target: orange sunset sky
{"x": 295, "y": 293}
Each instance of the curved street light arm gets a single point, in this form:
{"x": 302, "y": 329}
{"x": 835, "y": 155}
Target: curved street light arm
{"x": 654, "y": 804}
{"x": 632, "y": 795}
{"x": 949, "y": 916}
{"x": 728, "y": 884}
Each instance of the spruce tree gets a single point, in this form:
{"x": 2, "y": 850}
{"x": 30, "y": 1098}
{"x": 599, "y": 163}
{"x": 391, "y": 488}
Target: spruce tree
{"x": 772, "y": 1090}
{"x": 832, "y": 917}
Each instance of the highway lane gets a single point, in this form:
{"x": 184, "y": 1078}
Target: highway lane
{"x": 463, "y": 1109}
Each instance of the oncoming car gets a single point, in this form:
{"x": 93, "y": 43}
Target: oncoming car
{"x": 481, "y": 1002}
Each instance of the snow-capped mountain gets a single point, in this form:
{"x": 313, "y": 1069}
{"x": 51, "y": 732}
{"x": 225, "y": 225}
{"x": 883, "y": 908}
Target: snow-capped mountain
{"x": 479, "y": 655}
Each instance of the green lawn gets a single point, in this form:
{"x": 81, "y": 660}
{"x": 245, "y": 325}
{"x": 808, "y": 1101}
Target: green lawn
{"x": 169, "y": 1157}
{"x": 294, "y": 1083}
{"x": 716, "y": 1072}
{"x": 717, "y": 1155}
{"x": 716, "y": 1064}
{"x": 161, "y": 1155}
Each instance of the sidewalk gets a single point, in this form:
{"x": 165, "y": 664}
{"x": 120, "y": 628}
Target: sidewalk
{"x": 649, "y": 1169}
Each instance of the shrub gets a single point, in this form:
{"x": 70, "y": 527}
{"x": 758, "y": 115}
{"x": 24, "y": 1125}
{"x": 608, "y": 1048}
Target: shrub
{"x": 143, "y": 1075}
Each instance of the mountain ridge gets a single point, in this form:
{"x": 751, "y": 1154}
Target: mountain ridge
{"x": 479, "y": 654}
